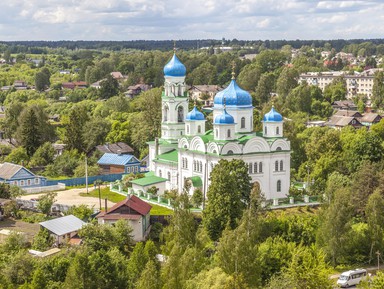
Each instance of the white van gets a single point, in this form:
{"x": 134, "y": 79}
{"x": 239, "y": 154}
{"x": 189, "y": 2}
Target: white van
{"x": 352, "y": 277}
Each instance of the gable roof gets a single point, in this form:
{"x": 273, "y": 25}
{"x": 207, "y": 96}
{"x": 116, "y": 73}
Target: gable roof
{"x": 115, "y": 148}
{"x": 8, "y": 170}
{"x": 148, "y": 180}
{"x": 63, "y": 225}
{"x": 370, "y": 117}
{"x": 171, "y": 156}
{"x": 132, "y": 202}
{"x": 116, "y": 159}
{"x": 342, "y": 121}
{"x": 344, "y": 112}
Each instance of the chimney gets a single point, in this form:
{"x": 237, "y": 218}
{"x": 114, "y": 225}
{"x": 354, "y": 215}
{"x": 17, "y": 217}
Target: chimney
{"x": 119, "y": 152}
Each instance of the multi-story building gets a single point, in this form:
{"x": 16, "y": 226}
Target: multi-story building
{"x": 358, "y": 83}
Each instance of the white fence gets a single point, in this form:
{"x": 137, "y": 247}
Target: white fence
{"x": 35, "y": 190}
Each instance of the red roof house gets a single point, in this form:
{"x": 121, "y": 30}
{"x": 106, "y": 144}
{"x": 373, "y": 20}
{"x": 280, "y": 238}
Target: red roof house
{"x": 132, "y": 209}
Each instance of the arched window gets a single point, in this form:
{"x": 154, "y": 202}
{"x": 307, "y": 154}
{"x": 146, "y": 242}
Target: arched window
{"x": 281, "y": 165}
{"x": 250, "y": 168}
{"x": 278, "y": 186}
{"x": 160, "y": 174}
{"x": 187, "y": 128}
{"x": 243, "y": 122}
{"x": 278, "y": 149}
{"x": 194, "y": 165}
{"x": 169, "y": 176}
{"x": 277, "y": 130}
{"x": 183, "y": 163}
{"x": 255, "y": 168}
{"x": 217, "y": 133}
{"x": 276, "y": 166}
{"x": 265, "y": 130}
{"x": 260, "y": 167}
{"x": 201, "y": 167}
{"x": 230, "y": 152}
{"x": 229, "y": 133}
{"x": 199, "y": 129}
{"x": 214, "y": 152}
{"x": 165, "y": 113}
{"x": 180, "y": 114}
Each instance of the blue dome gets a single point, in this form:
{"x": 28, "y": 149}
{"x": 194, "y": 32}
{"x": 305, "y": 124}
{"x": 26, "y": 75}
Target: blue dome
{"x": 234, "y": 96}
{"x": 174, "y": 67}
{"x": 224, "y": 118}
{"x": 273, "y": 115}
{"x": 195, "y": 114}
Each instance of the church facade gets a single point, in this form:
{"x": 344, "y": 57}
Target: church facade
{"x": 186, "y": 151}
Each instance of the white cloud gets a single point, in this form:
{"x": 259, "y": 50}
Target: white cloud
{"x": 189, "y": 19}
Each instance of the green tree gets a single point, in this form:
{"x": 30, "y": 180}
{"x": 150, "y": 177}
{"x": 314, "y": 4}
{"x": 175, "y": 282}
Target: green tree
{"x": 95, "y": 132}
{"x": 378, "y": 89}
{"x": 375, "y": 220}
{"x": 43, "y": 156}
{"x": 265, "y": 86}
{"x": 109, "y": 87}
{"x": 228, "y": 196}
{"x": 42, "y": 79}
{"x": 149, "y": 278}
{"x": 83, "y": 212}
{"x": 197, "y": 198}
{"x": 336, "y": 90}
{"x": 287, "y": 80}
{"x": 74, "y": 127}
{"x": 42, "y": 240}
{"x": 45, "y": 202}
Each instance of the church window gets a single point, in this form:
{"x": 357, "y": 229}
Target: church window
{"x": 255, "y": 168}
{"x": 265, "y": 130}
{"x": 180, "y": 114}
{"x": 201, "y": 167}
{"x": 186, "y": 163}
{"x": 217, "y": 133}
{"x": 278, "y": 186}
{"x": 276, "y": 166}
{"x": 278, "y": 148}
{"x": 199, "y": 129}
{"x": 183, "y": 163}
{"x": 160, "y": 174}
{"x": 214, "y": 151}
{"x": 281, "y": 165}
{"x": 243, "y": 122}
{"x": 165, "y": 116}
{"x": 277, "y": 131}
{"x": 260, "y": 167}
{"x": 230, "y": 152}
{"x": 194, "y": 165}
{"x": 229, "y": 133}
{"x": 169, "y": 176}
{"x": 187, "y": 128}
{"x": 250, "y": 168}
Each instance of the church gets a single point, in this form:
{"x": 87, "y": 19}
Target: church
{"x": 186, "y": 151}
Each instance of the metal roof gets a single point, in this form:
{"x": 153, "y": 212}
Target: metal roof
{"x": 116, "y": 159}
{"x": 146, "y": 181}
{"x": 8, "y": 170}
{"x": 63, "y": 225}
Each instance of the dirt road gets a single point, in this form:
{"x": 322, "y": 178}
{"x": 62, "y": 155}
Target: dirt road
{"x": 71, "y": 197}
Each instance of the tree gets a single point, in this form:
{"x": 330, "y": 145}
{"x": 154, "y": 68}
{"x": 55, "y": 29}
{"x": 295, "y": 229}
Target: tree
{"x": 228, "y": 196}
{"x": 375, "y": 220}
{"x": 336, "y": 90}
{"x": 299, "y": 98}
{"x": 34, "y": 128}
{"x": 265, "y": 86}
{"x": 42, "y": 79}
{"x": 149, "y": 278}
{"x": 43, "y": 240}
{"x": 95, "y": 132}
{"x": 206, "y": 73}
{"x": 197, "y": 198}
{"x": 74, "y": 125}
{"x": 287, "y": 80}
{"x": 43, "y": 156}
{"x": 45, "y": 202}
{"x": 83, "y": 212}
{"x": 109, "y": 87}
{"x": 378, "y": 89}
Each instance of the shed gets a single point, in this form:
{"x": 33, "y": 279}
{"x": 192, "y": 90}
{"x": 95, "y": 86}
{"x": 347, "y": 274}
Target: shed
{"x": 63, "y": 228}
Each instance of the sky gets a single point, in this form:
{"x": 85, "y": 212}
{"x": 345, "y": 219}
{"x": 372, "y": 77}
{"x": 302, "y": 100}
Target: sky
{"x": 190, "y": 19}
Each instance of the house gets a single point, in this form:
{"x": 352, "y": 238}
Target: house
{"x": 117, "y": 75}
{"x": 75, "y": 84}
{"x": 64, "y": 228}
{"x": 205, "y": 93}
{"x": 338, "y": 122}
{"x": 19, "y": 176}
{"x": 59, "y": 148}
{"x": 115, "y": 148}
{"x": 20, "y": 85}
{"x": 344, "y": 105}
{"x": 118, "y": 163}
{"x": 132, "y": 209}
{"x": 350, "y": 113}
{"x": 370, "y": 118}
{"x": 135, "y": 90}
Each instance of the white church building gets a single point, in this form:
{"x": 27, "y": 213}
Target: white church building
{"x": 187, "y": 151}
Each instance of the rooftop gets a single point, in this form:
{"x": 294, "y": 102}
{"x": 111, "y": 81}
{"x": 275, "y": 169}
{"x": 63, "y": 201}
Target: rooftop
{"x": 63, "y": 225}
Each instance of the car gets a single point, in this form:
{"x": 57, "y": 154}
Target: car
{"x": 352, "y": 277}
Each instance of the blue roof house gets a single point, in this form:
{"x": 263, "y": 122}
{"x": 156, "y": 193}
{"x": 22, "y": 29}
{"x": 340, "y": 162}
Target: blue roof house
{"x": 19, "y": 176}
{"x": 118, "y": 164}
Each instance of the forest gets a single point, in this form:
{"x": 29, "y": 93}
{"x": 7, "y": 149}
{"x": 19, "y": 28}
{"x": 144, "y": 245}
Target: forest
{"x": 236, "y": 242}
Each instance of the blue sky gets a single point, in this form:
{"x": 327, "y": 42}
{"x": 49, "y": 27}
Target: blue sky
{"x": 190, "y": 19}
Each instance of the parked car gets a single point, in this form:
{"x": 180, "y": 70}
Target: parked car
{"x": 352, "y": 277}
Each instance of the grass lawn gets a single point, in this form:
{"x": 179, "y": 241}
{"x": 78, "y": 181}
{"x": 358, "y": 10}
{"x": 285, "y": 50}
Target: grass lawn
{"x": 115, "y": 198}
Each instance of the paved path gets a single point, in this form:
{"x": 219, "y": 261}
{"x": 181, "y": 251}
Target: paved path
{"x": 71, "y": 197}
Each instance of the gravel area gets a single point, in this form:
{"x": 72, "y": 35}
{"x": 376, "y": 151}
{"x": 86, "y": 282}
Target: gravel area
{"x": 71, "y": 197}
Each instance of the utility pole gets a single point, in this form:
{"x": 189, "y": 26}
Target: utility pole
{"x": 86, "y": 173}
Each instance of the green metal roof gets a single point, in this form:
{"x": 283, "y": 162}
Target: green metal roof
{"x": 171, "y": 156}
{"x": 196, "y": 181}
{"x": 146, "y": 181}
